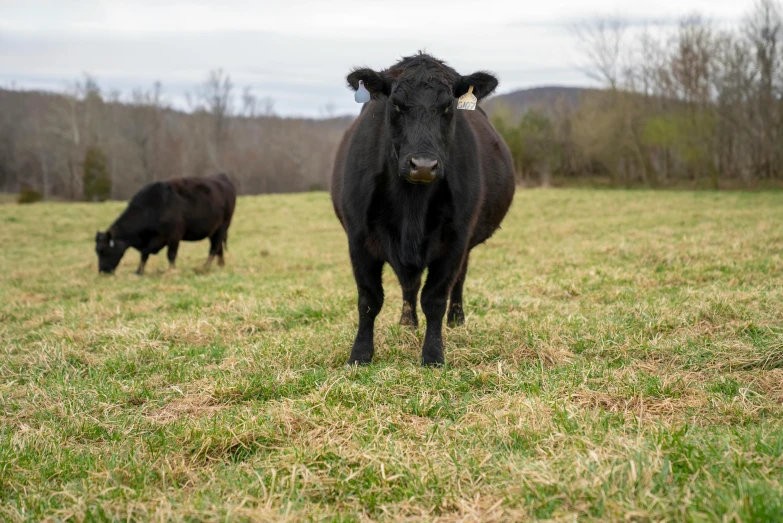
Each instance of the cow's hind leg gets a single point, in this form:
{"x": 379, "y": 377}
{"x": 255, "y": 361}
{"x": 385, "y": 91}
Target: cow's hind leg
{"x": 216, "y": 242}
{"x": 142, "y": 263}
{"x": 410, "y": 283}
{"x": 367, "y": 272}
{"x": 171, "y": 252}
{"x": 456, "y": 314}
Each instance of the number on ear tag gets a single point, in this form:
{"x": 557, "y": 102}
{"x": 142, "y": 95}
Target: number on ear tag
{"x": 467, "y": 101}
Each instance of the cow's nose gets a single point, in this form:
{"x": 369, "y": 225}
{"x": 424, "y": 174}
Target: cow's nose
{"x": 423, "y": 169}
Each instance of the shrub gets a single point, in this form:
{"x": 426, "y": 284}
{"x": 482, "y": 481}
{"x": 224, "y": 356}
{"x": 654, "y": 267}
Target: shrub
{"x": 29, "y": 195}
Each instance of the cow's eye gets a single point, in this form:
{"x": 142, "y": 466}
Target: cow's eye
{"x": 397, "y": 108}
{"x": 446, "y": 110}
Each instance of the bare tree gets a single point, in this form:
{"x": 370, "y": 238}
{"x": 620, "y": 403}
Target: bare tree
{"x": 267, "y": 106}
{"x": 144, "y": 128}
{"x": 79, "y": 124}
{"x": 328, "y": 110}
{"x": 602, "y": 41}
{"x": 764, "y": 30}
{"x": 249, "y": 103}
{"x": 215, "y": 96}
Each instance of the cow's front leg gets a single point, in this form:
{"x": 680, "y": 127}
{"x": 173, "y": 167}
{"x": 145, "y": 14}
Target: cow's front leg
{"x": 153, "y": 247}
{"x": 367, "y": 273}
{"x": 441, "y": 277}
{"x": 171, "y": 252}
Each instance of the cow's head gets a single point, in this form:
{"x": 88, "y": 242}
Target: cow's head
{"x": 421, "y": 95}
{"x": 109, "y": 250}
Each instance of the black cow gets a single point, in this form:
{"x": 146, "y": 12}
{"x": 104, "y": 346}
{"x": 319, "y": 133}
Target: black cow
{"x": 162, "y": 214}
{"x": 418, "y": 183}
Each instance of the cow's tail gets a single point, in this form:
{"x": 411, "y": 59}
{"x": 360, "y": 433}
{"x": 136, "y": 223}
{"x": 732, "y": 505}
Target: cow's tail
{"x": 225, "y": 242}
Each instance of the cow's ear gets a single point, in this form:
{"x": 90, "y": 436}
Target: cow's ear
{"x": 375, "y": 82}
{"x": 483, "y": 84}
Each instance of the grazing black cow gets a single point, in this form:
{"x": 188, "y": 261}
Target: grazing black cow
{"x": 417, "y": 183}
{"x": 162, "y": 214}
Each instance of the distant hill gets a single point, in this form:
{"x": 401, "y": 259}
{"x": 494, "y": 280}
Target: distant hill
{"x": 545, "y": 99}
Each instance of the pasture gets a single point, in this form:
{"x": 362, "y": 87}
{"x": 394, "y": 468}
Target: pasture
{"x": 622, "y": 358}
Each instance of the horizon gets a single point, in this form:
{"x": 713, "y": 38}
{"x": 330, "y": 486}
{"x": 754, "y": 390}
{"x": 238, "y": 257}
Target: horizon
{"x": 336, "y": 116}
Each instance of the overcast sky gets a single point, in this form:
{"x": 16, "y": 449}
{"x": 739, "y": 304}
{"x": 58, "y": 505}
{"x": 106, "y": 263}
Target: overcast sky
{"x": 298, "y": 52}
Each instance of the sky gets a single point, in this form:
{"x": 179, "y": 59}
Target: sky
{"x": 299, "y": 52}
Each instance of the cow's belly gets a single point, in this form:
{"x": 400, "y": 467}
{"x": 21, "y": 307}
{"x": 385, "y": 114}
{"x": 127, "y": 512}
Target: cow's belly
{"x": 409, "y": 254}
{"x": 195, "y": 236}
{"x": 197, "y": 231}
{"x": 201, "y": 226}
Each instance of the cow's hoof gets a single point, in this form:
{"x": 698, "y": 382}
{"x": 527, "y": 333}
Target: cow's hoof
{"x": 361, "y": 355}
{"x": 455, "y": 317}
{"x": 456, "y": 321}
{"x": 410, "y": 322}
{"x": 408, "y": 317}
{"x": 432, "y": 360}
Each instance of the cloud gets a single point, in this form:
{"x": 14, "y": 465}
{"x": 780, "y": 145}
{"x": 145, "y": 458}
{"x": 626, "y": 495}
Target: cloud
{"x": 297, "y": 52}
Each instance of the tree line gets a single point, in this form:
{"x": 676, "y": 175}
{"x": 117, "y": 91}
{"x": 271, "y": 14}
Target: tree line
{"x": 89, "y": 144}
{"x": 695, "y": 104}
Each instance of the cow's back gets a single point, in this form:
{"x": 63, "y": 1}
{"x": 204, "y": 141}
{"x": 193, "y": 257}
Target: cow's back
{"x": 202, "y": 205}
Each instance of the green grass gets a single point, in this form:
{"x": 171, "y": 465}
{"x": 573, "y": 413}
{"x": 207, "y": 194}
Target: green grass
{"x": 622, "y": 358}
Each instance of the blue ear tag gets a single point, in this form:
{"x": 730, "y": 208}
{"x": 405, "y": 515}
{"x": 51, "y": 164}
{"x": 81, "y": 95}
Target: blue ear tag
{"x": 362, "y": 95}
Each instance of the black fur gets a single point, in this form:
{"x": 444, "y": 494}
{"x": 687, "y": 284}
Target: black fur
{"x": 393, "y": 214}
{"x": 162, "y": 214}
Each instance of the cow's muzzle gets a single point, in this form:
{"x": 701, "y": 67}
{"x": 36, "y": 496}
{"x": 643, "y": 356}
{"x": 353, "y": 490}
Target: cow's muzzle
{"x": 423, "y": 169}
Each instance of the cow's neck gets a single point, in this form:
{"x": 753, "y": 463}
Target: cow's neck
{"x": 122, "y": 229}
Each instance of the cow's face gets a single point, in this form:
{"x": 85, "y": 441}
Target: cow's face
{"x": 421, "y": 124}
{"x": 109, "y": 251}
{"x": 421, "y": 100}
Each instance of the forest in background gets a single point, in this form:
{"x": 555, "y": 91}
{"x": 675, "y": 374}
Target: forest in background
{"x": 87, "y": 144}
{"x": 698, "y": 105}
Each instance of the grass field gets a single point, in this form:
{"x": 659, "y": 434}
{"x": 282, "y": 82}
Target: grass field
{"x": 622, "y": 359}
{"x": 6, "y": 197}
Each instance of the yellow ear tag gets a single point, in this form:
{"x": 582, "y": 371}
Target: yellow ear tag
{"x": 467, "y": 101}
